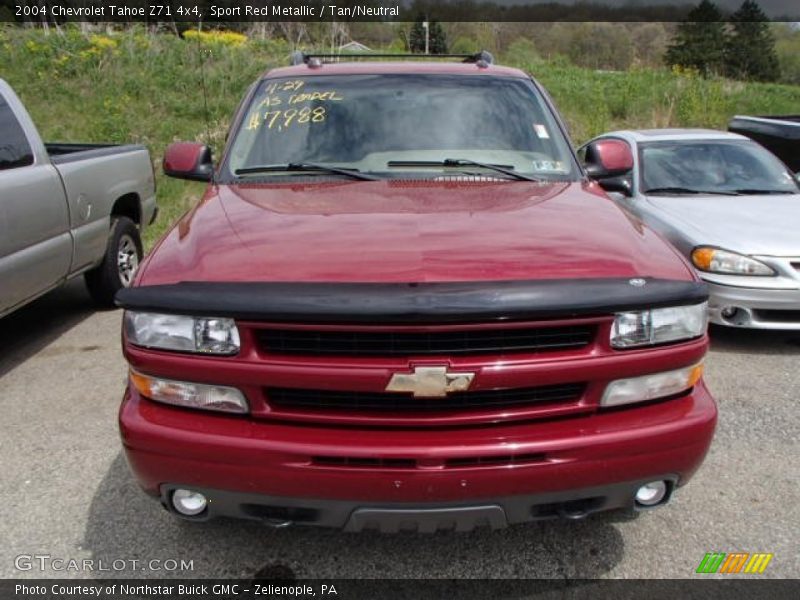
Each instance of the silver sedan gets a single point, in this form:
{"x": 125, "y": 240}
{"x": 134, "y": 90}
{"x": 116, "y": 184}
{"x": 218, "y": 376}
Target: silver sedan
{"x": 726, "y": 203}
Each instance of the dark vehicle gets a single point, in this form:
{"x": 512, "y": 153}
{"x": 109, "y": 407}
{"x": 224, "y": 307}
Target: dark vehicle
{"x": 780, "y": 135}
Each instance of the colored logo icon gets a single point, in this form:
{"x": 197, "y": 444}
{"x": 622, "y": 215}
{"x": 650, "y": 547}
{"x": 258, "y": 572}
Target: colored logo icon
{"x": 736, "y": 562}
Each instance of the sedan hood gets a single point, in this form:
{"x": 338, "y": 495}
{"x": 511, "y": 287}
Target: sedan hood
{"x": 408, "y": 231}
{"x": 763, "y": 225}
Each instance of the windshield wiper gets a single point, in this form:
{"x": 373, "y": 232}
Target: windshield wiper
{"x": 754, "y": 192}
{"x": 682, "y": 190}
{"x": 462, "y": 162}
{"x": 305, "y": 167}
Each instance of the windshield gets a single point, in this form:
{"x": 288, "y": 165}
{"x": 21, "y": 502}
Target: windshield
{"x": 691, "y": 166}
{"x": 390, "y": 125}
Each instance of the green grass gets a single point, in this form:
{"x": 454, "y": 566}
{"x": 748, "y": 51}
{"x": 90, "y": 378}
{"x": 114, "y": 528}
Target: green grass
{"x": 135, "y": 87}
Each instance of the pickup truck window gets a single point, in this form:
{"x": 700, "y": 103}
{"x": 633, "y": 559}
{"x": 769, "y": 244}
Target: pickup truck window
{"x": 14, "y": 148}
{"x": 716, "y": 167}
{"x": 391, "y": 124}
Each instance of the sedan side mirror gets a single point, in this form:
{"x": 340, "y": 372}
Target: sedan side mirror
{"x": 620, "y": 184}
{"x": 610, "y": 162}
{"x": 188, "y": 160}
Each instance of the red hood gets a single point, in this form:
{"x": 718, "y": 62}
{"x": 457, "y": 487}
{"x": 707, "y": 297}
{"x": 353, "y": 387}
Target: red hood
{"x": 408, "y": 231}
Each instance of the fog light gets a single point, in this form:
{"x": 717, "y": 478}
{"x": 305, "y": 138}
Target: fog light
{"x": 651, "y": 493}
{"x": 189, "y": 503}
{"x": 729, "y": 312}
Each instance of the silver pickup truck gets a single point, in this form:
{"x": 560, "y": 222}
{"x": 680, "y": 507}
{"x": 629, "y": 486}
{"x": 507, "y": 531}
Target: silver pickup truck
{"x": 67, "y": 210}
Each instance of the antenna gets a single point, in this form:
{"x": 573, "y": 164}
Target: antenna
{"x": 203, "y": 86}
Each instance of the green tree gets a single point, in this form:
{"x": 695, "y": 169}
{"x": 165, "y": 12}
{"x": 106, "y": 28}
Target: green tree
{"x": 699, "y": 42}
{"x": 437, "y": 39}
{"x": 523, "y": 52}
{"x": 787, "y": 47}
{"x": 601, "y": 46}
{"x": 649, "y": 43}
{"x": 416, "y": 38}
{"x": 463, "y": 45}
{"x": 750, "y": 49}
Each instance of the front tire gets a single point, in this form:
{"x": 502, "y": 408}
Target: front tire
{"x": 121, "y": 260}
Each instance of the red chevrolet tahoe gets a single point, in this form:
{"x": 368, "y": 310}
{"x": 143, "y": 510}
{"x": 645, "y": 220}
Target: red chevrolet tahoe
{"x": 401, "y": 304}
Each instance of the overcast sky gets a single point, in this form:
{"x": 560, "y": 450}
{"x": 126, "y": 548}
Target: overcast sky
{"x": 771, "y": 7}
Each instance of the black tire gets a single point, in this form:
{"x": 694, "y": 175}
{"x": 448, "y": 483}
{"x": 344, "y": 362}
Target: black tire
{"x": 122, "y": 258}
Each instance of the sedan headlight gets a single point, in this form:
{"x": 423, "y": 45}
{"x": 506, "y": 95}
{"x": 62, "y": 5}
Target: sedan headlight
{"x": 714, "y": 260}
{"x": 659, "y": 325}
{"x": 203, "y": 335}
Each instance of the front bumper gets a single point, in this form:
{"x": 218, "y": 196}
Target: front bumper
{"x": 266, "y": 470}
{"x": 756, "y": 308}
{"x": 391, "y": 517}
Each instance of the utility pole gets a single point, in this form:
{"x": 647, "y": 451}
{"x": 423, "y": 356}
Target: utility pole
{"x": 427, "y": 27}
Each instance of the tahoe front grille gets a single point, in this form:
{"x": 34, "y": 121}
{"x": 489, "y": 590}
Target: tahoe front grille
{"x": 449, "y": 342}
{"x": 326, "y": 400}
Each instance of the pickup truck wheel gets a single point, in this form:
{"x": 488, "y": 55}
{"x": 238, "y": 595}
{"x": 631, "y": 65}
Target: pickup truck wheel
{"x": 123, "y": 253}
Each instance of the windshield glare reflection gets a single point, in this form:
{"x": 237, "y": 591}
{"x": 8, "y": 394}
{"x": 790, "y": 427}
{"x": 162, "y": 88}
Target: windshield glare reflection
{"x": 365, "y": 122}
{"x": 735, "y": 167}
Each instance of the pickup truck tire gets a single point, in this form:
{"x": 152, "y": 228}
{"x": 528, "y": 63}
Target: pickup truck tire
{"x": 123, "y": 253}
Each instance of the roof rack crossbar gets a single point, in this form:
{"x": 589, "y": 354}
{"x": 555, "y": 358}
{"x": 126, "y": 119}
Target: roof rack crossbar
{"x": 299, "y": 58}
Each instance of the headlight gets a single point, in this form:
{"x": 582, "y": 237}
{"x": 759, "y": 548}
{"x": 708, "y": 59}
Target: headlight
{"x": 651, "y": 387}
{"x": 715, "y": 260}
{"x": 659, "y": 325}
{"x": 184, "y": 334}
{"x": 189, "y": 395}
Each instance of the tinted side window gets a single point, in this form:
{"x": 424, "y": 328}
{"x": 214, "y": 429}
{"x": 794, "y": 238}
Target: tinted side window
{"x": 14, "y": 148}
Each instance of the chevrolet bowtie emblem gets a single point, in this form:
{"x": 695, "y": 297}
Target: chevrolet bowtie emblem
{"x": 430, "y": 382}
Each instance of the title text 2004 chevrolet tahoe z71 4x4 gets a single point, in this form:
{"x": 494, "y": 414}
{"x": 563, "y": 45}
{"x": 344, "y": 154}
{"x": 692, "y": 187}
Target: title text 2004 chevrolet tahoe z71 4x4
{"x": 401, "y": 304}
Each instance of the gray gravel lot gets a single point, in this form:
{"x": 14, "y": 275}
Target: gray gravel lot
{"x": 65, "y": 489}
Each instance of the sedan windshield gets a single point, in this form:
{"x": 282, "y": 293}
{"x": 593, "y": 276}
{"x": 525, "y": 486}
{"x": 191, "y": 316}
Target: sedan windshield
{"x": 396, "y": 125}
{"x": 712, "y": 167}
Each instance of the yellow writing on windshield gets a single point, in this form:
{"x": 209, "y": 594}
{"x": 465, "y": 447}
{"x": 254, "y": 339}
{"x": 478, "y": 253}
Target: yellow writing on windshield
{"x": 254, "y": 121}
{"x": 269, "y": 101}
{"x": 280, "y": 120}
{"x": 284, "y": 86}
{"x": 289, "y": 94}
{"x": 332, "y": 96}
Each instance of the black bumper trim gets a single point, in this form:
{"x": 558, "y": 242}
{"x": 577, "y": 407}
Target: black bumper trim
{"x": 445, "y": 302}
{"x": 354, "y": 515}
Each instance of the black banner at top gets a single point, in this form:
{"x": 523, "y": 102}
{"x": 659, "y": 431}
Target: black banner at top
{"x": 225, "y": 11}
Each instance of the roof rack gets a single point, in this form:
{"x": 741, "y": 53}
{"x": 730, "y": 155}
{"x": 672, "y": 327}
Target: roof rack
{"x": 482, "y": 58}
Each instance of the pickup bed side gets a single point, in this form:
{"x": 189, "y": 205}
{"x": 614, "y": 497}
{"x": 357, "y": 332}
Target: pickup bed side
{"x": 59, "y": 204}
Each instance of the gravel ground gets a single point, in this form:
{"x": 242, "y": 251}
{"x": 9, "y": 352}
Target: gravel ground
{"x": 65, "y": 490}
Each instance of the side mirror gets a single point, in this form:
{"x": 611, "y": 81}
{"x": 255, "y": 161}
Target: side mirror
{"x": 609, "y": 162}
{"x": 188, "y": 160}
{"x": 621, "y": 185}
